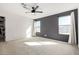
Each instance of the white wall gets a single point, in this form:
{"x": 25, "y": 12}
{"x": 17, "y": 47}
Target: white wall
{"x": 16, "y": 26}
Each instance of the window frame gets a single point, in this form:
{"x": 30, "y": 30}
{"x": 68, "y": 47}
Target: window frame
{"x": 36, "y": 27}
{"x": 62, "y": 25}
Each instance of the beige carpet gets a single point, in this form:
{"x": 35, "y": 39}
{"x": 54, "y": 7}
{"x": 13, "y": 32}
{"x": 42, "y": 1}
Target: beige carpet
{"x": 37, "y": 46}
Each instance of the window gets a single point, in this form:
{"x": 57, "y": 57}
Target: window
{"x": 37, "y": 26}
{"x": 64, "y": 24}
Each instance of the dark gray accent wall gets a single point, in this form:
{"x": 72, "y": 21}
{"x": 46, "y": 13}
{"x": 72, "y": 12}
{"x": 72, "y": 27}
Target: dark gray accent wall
{"x": 49, "y": 27}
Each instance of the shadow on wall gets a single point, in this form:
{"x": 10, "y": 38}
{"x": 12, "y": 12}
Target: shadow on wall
{"x": 29, "y": 32}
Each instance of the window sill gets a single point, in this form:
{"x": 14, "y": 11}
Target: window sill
{"x": 64, "y": 33}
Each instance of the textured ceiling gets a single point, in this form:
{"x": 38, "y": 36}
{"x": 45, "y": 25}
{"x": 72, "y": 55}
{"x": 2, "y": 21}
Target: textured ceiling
{"x": 47, "y": 8}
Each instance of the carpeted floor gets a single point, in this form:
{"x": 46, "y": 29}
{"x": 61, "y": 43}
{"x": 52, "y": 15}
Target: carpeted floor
{"x": 37, "y": 46}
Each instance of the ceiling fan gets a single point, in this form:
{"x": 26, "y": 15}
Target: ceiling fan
{"x": 33, "y": 9}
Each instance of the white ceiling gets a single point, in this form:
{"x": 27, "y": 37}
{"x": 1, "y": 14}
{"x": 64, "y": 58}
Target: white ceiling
{"x": 47, "y": 8}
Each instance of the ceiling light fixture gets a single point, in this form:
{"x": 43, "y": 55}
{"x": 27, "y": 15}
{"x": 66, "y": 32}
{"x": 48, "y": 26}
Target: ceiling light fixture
{"x": 32, "y": 7}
